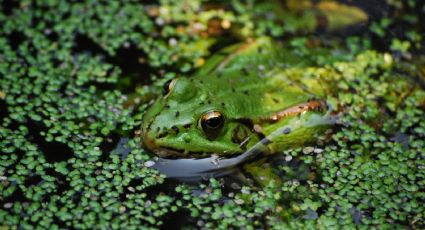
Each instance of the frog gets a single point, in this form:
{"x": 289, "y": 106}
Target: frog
{"x": 248, "y": 94}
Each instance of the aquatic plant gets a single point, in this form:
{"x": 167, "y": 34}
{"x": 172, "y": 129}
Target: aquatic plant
{"x": 73, "y": 88}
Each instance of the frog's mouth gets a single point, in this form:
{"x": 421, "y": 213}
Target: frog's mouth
{"x": 169, "y": 152}
{"x": 162, "y": 152}
{"x": 149, "y": 144}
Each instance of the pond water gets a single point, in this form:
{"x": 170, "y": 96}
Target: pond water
{"x": 77, "y": 80}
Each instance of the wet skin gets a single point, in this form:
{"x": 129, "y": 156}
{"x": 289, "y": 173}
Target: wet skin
{"x": 243, "y": 94}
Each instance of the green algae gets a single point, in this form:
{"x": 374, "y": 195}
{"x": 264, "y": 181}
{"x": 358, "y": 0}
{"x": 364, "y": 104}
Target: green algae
{"x": 68, "y": 96}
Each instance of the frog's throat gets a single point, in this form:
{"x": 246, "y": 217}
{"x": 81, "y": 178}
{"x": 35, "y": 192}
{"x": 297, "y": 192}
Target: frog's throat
{"x": 313, "y": 105}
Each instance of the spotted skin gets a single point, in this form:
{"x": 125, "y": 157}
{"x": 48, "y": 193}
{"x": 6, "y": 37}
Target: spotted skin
{"x": 255, "y": 86}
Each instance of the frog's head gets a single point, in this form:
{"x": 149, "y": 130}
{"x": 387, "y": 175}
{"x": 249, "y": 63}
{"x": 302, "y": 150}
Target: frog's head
{"x": 242, "y": 94}
{"x": 190, "y": 121}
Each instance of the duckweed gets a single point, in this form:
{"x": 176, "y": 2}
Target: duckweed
{"x": 73, "y": 79}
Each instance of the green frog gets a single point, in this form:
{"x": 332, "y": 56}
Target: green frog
{"x": 247, "y": 94}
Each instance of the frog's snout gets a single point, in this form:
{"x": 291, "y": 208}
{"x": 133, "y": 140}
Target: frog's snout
{"x": 147, "y": 141}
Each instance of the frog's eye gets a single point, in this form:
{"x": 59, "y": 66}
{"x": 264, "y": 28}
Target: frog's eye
{"x": 168, "y": 86}
{"x": 211, "y": 123}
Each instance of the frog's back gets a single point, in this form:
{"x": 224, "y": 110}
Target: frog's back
{"x": 256, "y": 79}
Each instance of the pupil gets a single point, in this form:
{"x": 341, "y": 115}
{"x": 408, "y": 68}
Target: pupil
{"x": 214, "y": 122}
